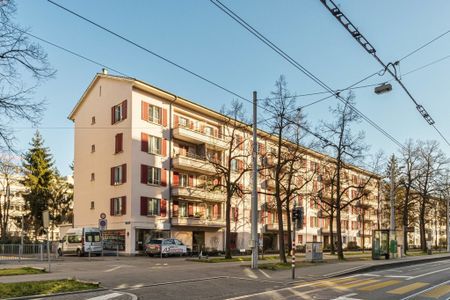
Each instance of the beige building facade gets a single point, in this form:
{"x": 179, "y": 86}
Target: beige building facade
{"x": 142, "y": 162}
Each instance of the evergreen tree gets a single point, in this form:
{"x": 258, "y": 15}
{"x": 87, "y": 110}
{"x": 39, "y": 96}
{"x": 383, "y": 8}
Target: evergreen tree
{"x": 38, "y": 177}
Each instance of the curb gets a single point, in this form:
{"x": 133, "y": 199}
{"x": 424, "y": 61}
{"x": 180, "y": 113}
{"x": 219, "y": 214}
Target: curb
{"x": 370, "y": 268}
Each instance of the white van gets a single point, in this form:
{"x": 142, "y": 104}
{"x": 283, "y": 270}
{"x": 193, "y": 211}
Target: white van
{"x": 81, "y": 241}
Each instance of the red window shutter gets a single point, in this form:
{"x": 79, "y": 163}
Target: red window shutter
{"x": 124, "y": 205}
{"x": 216, "y": 132}
{"x": 164, "y": 117}
{"x": 112, "y": 116}
{"x": 191, "y": 180}
{"x": 112, "y": 176}
{"x": 175, "y": 208}
{"x": 269, "y": 217}
{"x": 144, "y": 142}
{"x": 191, "y": 124}
{"x": 163, "y": 177}
{"x": 216, "y": 210}
{"x": 163, "y": 207}
{"x": 176, "y": 121}
{"x": 124, "y": 109}
{"x": 111, "y": 206}
{"x": 144, "y": 174}
{"x": 164, "y": 147}
{"x": 261, "y": 216}
{"x": 144, "y": 206}
{"x": 190, "y": 209}
{"x": 119, "y": 143}
{"x": 124, "y": 173}
{"x": 144, "y": 111}
{"x": 176, "y": 178}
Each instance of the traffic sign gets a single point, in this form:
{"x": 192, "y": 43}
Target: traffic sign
{"x": 45, "y": 219}
{"x": 102, "y": 224}
{"x": 102, "y": 216}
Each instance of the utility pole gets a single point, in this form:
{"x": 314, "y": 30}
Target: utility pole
{"x": 254, "y": 207}
{"x": 392, "y": 202}
{"x": 448, "y": 224}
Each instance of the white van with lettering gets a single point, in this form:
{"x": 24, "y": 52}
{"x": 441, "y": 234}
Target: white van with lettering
{"x": 81, "y": 241}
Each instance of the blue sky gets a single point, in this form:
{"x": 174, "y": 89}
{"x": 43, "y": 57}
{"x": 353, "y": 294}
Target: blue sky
{"x": 200, "y": 37}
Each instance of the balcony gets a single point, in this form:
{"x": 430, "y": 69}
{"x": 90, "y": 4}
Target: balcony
{"x": 198, "y": 193}
{"x": 195, "y": 163}
{"x": 200, "y": 222}
{"x": 273, "y": 227}
{"x": 197, "y": 137}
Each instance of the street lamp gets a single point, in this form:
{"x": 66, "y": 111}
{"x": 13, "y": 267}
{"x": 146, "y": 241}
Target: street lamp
{"x": 383, "y": 88}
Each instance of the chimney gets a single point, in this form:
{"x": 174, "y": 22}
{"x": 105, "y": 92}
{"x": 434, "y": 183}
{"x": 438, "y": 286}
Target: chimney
{"x": 105, "y": 71}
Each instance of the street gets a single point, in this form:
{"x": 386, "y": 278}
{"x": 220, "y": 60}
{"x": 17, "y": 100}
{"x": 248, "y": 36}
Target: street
{"x": 174, "y": 278}
{"x": 423, "y": 281}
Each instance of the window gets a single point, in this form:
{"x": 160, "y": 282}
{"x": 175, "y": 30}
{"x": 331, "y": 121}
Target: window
{"x": 154, "y": 114}
{"x": 118, "y": 206}
{"x": 183, "y": 122}
{"x": 184, "y": 180}
{"x": 118, "y": 174}
{"x": 92, "y": 176}
{"x": 92, "y": 204}
{"x": 92, "y": 148}
{"x": 119, "y": 112}
{"x": 183, "y": 211}
{"x": 208, "y": 130}
{"x": 234, "y": 165}
{"x": 153, "y": 207}
{"x": 118, "y": 143}
{"x": 153, "y": 175}
{"x": 92, "y": 120}
{"x": 154, "y": 145}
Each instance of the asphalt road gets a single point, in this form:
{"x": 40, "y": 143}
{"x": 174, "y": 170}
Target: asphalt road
{"x": 421, "y": 281}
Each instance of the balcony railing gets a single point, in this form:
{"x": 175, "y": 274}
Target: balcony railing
{"x": 199, "y": 193}
{"x": 193, "y": 221}
{"x": 193, "y": 162}
{"x": 198, "y": 137}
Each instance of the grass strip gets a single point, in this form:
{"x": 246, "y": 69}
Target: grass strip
{"x": 20, "y": 271}
{"x": 48, "y": 287}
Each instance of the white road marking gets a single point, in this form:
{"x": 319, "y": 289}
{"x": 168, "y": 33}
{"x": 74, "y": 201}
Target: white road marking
{"x": 399, "y": 276}
{"x": 113, "y": 269}
{"x": 106, "y": 297}
{"x": 344, "y": 271}
{"x": 429, "y": 273}
{"x": 264, "y": 273}
{"x": 425, "y": 290}
{"x": 250, "y": 273}
{"x": 370, "y": 275}
{"x": 347, "y": 297}
{"x": 122, "y": 286}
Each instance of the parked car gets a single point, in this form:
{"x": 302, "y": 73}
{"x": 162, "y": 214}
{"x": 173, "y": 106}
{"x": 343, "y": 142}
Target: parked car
{"x": 165, "y": 247}
{"x": 81, "y": 241}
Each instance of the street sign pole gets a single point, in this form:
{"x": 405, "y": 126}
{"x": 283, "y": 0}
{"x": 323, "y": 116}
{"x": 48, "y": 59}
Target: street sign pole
{"x": 254, "y": 206}
{"x": 46, "y": 225}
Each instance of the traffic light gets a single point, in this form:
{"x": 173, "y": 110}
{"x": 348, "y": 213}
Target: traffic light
{"x": 297, "y": 215}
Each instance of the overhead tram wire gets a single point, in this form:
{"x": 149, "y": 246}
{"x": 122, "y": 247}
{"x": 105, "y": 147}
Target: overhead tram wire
{"x": 424, "y": 45}
{"x": 297, "y": 65}
{"x": 359, "y": 37}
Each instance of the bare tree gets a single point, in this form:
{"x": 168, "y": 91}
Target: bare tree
{"x": 232, "y": 164}
{"x": 9, "y": 172}
{"x": 285, "y": 122}
{"x": 60, "y": 204}
{"x": 433, "y": 164}
{"x": 19, "y": 58}
{"x": 345, "y": 148}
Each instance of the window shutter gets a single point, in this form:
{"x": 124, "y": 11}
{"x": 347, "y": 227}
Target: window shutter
{"x": 164, "y": 147}
{"x": 124, "y": 173}
{"x": 216, "y": 210}
{"x": 163, "y": 177}
{"x": 163, "y": 207}
{"x": 191, "y": 180}
{"x": 164, "y": 117}
{"x": 112, "y": 176}
{"x": 124, "y": 109}
{"x": 176, "y": 178}
{"x": 119, "y": 143}
{"x": 190, "y": 209}
{"x": 269, "y": 217}
{"x": 112, "y": 116}
{"x": 175, "y": 208}
{"x": 144, "y": 206}
{"x": 144, "y": 142}
{"x": 124, "y": 205}
{"x": 144, "y": 174}
{"x": 176, "y": 121}
{"x": 144, "y": 111}
{"x": 111, "y": 206}
{"x": 216, "y": 132}
{"x": 191, "y": 124}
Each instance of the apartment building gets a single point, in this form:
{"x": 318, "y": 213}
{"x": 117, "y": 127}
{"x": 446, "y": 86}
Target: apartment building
{"x": 142, "y": 159}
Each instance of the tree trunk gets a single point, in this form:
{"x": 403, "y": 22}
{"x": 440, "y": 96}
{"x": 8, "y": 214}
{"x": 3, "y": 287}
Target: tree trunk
{"x": 332, "y": 249}
{"x": 423, "y": 242}
{"x": 281, "y": 231}
{"x": 340, "y": 251}
{"x": 289, "y": 227}
{"x": 405, "y": 221}
{"x": 228, "y": 228}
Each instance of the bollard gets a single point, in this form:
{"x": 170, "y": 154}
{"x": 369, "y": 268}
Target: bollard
{"x": 117, "y": 252}
{"x": 89, "y": 252}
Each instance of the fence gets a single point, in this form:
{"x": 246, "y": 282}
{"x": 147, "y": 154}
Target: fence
{"x": 20, "y": 252}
